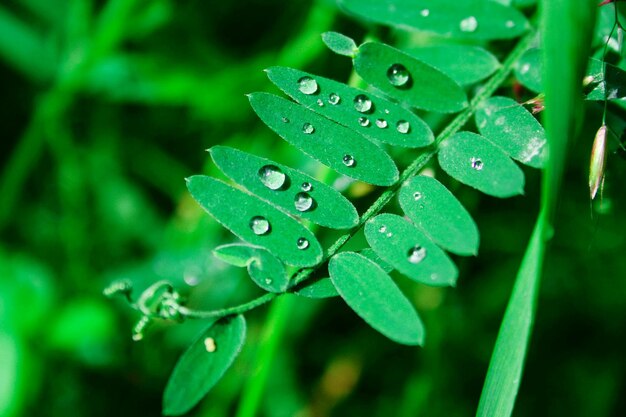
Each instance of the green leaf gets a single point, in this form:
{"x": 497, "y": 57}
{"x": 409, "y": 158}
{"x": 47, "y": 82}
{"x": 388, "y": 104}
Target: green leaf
{"x": 256, "y": 221}
{"x": 292, "y": 190}
{"x": 321, "y": 288}
{"x": 475, "y": 161}
{"x": 465, "y": 64}
{"x": 612, "y": 80}
{"x": 340, "y": 44}
{"x": 467, "y": 19}
{"x": 373, "y": 295}
{"x": 409, "y": 250}
{"x": 203, "y": 364}
{"x": 528, "y": 70}
{"x": 335, "y": 146}
{"x": 372, "y": 256}
{"x": 437, "y": 213}
{"x": 509, "y": 125}
{"x": 408, "y": 79}
{"x": 264, "y": 268}
{"x": 376, "y": 118}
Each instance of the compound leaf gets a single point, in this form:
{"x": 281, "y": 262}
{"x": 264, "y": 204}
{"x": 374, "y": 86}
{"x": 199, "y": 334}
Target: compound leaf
{"x": 264, "y": 268}
{"x": 203, "y": 364}
{"x": 475, "y": 161}
{"x": 408, "y": 79}
{"x": 373, "y": 295}
{"x": 292, "y": 190}
{"x": 256, "y": 221}
{"x": 510, "y": 126}
{"x": 436, "y": 212}
{"x": 465, "y": 64}
{"x": 374, "y": 117}
{"x": 401, "y": 244}
{"x": 335, "y": 146}
{"x": 467, "y": 19}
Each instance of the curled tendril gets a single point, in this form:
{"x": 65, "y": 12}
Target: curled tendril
{"x": 159, "y": 301}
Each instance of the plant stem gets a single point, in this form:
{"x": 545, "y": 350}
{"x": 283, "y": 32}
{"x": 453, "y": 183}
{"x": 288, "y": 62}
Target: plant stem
{"x": 273, "y": 333}
{"x": 420, "y": 162}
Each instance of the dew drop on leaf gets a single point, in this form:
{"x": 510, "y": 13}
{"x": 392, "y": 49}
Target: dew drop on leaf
{"x": 403, "y": 126}
{"x": 425, "y": 12}
{"x": 469, "y": 24}
{"x": 302, "y": 243}
{"x": 416, "y": 254}
{"x": 268, "y": 281}
{"x": 303, "y": 202}
{"x": 334, "y": 99}
{"x": 364, "y": 121}
{"x": 510, "y": 23}
{"x": 362, "y": 103}
{"x": 417, "y": 196}
{"x": 259, "y": 225}
{"x": 320, "y": 102}
{"x": 209, "y": 345}
{"x": 272, "y": 177}
{"x": 477, "y": 163}
{"x": 349, "y": 161}
{"x": 382, "y": 229}
{"x": 381, "y": 123}
{"x": 398, "y": 75}
{"x": 285, "y": 120}
{"x": 308, "y": 128}
{"x": 307, "y": 85}
{"x": 306, "y": 186}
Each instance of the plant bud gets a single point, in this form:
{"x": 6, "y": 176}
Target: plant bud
{"x": 596, "y": 165}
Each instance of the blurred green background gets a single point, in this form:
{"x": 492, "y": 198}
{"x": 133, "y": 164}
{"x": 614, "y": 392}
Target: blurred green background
{"x": 106, "y": 106}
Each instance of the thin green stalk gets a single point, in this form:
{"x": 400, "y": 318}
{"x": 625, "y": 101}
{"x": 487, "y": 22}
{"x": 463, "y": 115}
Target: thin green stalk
{"x": 273, "y": 333}
{"x": 567, "y": 26}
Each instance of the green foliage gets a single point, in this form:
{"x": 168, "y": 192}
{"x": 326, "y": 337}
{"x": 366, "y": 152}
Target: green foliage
{"x": 203, "y": 364}
{"x": 110, "y": 104}
{"x": 373, "y": 295}
{"x": 475, "y": 161}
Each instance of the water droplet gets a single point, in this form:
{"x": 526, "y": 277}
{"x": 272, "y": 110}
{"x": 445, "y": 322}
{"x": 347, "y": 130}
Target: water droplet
{"x": 285, "y": 120}
{"x": 272, "y": 177}
{"x": 469, "y": 24}
{"x": 386, "y": 111}
{"x": 510, "y": 23}
{"x": 260, "y": 225}
{"x": 308, "y": 128}
{"x": 268, "y": 281}
{"x": 307, "y": 85}
{"x": 381, "y": 123}
{"x": 403, "y": 126}
{"x": 425, "y": 12}
{"x": 362, "y": 103}
{"x": 364, "y": 121}
{"x": 334, "y": 99}
{"x": 477, "y": 163}
{"x": 398, "y": 76}
{"x": 500, "y": 121}
{"x": 524, "y": 69}
{"x": 209, "y": 345}
{"x": 306, "y": 186}
{"x": 320, "y": 102}
{"x": 389, "y": 234}
{"x": 349, "y": 161}
{"x": 417, "y": 195}
{"x": 303, "y": 202}
{"x": 382, "y": 229}
{"x": 416, "y": 254}
{"x": 302, "y": 243}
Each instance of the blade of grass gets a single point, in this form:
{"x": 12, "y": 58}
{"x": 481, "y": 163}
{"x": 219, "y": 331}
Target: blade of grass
{"x": 567, "y": 27}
